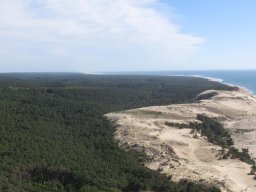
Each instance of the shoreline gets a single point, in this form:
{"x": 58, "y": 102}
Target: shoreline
{"x": 216, "y": 80}
{"x": 241, "y": 88}
{"x": 212, "y": 79}
{"x": 196, "y": 76}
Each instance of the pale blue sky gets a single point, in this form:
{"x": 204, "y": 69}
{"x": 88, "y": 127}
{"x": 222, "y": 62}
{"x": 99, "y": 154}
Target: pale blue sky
{"x": 126, "y": 35}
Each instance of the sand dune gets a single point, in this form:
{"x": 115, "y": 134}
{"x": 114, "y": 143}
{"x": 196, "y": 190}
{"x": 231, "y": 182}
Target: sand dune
{"x": 178, "y": 153}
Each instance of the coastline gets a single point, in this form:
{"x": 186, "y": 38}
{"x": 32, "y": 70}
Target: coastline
{"x": 210, "y": 78}
{"x": 241, "y": 81}
{"x": 219, "y": 81}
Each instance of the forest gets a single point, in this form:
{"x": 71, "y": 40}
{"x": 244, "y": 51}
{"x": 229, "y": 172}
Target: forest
{"x": 54, "y": 136}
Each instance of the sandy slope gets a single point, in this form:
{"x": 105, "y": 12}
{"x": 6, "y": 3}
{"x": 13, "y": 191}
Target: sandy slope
{"x": 177, "y": 153}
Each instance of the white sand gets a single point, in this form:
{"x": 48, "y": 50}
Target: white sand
{"x": 176, "y": 153}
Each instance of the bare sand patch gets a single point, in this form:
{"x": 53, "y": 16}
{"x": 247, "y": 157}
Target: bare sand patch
{"x": 183, "y": 155}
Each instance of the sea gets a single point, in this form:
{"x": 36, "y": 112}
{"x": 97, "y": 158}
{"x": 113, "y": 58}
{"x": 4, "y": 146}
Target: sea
{"x": 242, "y": 78}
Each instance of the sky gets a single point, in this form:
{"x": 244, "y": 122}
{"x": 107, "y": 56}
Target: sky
{"x": 126, "y": 35}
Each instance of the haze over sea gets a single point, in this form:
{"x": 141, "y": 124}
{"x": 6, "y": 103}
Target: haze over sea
{"x": 243, "y": 78}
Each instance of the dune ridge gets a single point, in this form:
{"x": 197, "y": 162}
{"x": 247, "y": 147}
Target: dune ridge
{"x": 180, "y": 154}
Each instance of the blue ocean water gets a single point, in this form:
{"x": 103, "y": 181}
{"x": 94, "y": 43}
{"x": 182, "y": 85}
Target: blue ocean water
{"x": 243, "y": 78}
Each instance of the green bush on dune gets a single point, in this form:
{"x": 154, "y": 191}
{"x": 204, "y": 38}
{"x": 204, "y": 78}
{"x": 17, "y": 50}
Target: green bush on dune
{"x": 217, "y": 134}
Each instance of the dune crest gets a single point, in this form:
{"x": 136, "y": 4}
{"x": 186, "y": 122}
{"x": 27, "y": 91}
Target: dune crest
{"x": 181, "y": 154}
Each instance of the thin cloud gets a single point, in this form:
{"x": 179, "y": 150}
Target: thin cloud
{"x": 77, "y": 26}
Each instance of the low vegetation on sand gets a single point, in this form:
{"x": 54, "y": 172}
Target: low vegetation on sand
{"x": 214, "y": 131}
{"x": 217, "y": 134}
